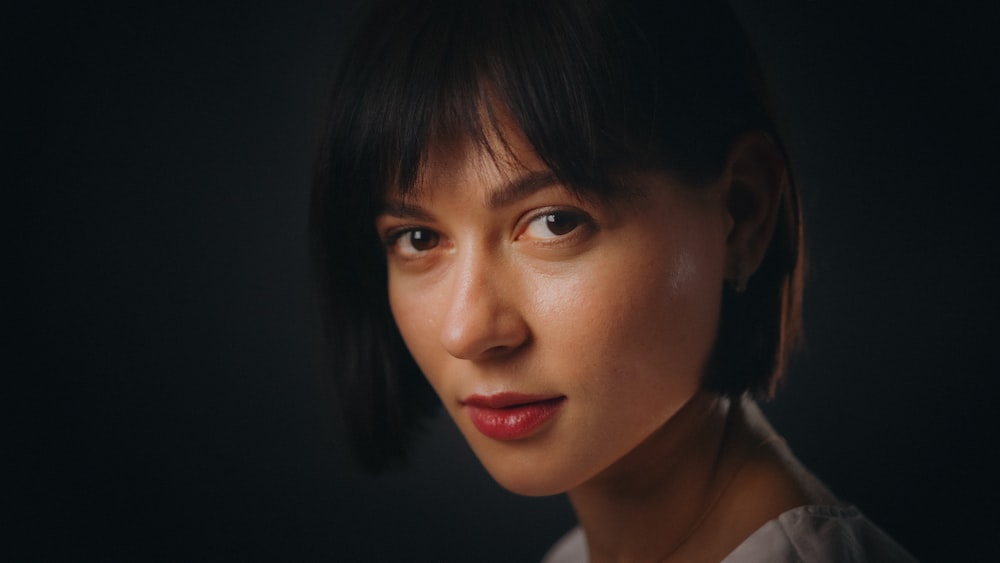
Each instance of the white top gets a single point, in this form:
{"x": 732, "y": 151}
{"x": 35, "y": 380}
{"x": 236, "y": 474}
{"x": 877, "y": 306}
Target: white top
{"x": 807, "y": 534}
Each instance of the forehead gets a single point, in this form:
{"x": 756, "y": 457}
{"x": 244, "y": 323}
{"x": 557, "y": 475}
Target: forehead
{"x": 494, "y": 156}
{"x": 474, "y": 176}
{"x": 493, "y": 181}
{"x": 497, "y": 154}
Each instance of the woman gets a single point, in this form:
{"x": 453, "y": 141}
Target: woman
{"x": 576, "y": 222}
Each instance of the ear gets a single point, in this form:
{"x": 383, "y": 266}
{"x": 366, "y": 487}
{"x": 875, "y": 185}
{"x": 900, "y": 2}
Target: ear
{"x": 755, "y": 178}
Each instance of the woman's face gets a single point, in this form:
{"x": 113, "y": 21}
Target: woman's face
{"x": 559, "y": 332}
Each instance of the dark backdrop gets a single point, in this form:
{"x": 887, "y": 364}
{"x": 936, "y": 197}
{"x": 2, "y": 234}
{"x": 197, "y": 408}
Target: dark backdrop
{"x": 162, "y": 359}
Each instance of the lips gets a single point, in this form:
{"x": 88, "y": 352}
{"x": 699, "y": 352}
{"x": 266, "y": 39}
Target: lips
{"x": 511, "y": 416}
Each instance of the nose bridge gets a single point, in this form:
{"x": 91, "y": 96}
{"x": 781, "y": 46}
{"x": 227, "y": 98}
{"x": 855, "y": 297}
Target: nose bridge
{"x": 483, "y": 316}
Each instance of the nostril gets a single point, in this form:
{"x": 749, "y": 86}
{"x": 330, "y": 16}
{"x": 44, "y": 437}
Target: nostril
{"x": 486, "y": 334}
{"x": 483, "y": 317}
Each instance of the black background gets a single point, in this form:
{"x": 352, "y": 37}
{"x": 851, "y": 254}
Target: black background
{"x": 161, "y": 371}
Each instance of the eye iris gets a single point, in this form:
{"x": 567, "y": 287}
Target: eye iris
{"x": 561, "y": 223}
{"x": 423, "y": 240}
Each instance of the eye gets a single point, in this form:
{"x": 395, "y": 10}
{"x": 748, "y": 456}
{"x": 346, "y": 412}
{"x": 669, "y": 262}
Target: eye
{"x": 413, "y": 241}
{"x": 553, "y": 224}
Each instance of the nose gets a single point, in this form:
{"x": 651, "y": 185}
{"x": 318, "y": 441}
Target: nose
{"x": 483, "y": 318}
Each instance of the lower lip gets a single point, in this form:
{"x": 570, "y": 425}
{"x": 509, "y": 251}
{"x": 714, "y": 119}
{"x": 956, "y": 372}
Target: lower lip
{"x": 516, "y": 422}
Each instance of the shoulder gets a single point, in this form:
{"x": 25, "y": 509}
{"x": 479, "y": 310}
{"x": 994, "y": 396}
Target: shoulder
{"x": 571, "y": 548}
{"x": 807, "y": 534}
{"x": 819, "y": 534}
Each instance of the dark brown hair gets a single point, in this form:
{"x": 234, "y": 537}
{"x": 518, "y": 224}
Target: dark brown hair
{"x": 599, "y": 88}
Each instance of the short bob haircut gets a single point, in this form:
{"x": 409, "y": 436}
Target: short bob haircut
{"x": 599, "y": 88}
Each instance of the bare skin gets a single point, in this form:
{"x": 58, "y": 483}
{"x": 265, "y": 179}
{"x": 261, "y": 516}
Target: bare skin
{"x": 702, "y": 484}
{"x": 503, "y": 281}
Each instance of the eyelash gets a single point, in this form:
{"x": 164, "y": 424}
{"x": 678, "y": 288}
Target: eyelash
{"x": 580, "y": 223}
{"x": 393, "y": 238}
{"x": 579, "y": 220}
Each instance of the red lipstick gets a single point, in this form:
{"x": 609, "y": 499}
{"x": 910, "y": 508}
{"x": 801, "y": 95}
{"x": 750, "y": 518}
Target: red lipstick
{"x": 511, "y": 416}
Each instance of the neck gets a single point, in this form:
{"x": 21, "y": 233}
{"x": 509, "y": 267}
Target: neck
{"x": 645, "y": 506}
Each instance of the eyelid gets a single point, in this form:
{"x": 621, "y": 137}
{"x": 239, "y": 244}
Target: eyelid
{"x": 586, "y": 226}
{"x": 391, "y": 235}
{"x": 392, "y": 241}
{"x": 389, "y": 227}
{"x": 391, "y": 238}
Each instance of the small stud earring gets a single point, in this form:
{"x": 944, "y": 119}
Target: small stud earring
{"x": 738, "y": 283}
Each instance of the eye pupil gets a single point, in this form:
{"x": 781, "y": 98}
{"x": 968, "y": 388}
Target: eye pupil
{"x": 561, "y": 223}
{"x": 423, "y": 240}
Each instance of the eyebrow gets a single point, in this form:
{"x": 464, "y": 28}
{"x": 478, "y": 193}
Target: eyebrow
{"x": 497, "y": 197}
{"x": 520, "y": 188}
{"x": 404, "y": 210}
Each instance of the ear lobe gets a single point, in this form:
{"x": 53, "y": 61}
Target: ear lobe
{"x": 756, "y": 175}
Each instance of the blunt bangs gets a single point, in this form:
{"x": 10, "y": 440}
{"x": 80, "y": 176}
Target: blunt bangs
{"x": 600, "y": 89}
{"x": 596, "y": 87}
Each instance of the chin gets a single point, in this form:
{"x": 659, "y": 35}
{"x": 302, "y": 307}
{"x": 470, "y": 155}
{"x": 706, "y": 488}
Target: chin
{"x": 530, "y": 474}
{"x": 532, "y": 485}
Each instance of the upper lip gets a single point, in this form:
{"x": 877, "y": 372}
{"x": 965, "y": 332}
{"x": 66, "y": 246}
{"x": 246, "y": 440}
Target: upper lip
{"x": 507, "y": 400}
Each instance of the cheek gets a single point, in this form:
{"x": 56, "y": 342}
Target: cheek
{"x": 647, "y": 318}
{"x": 682, "y": 309}
{"x": 644, "y": 298}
